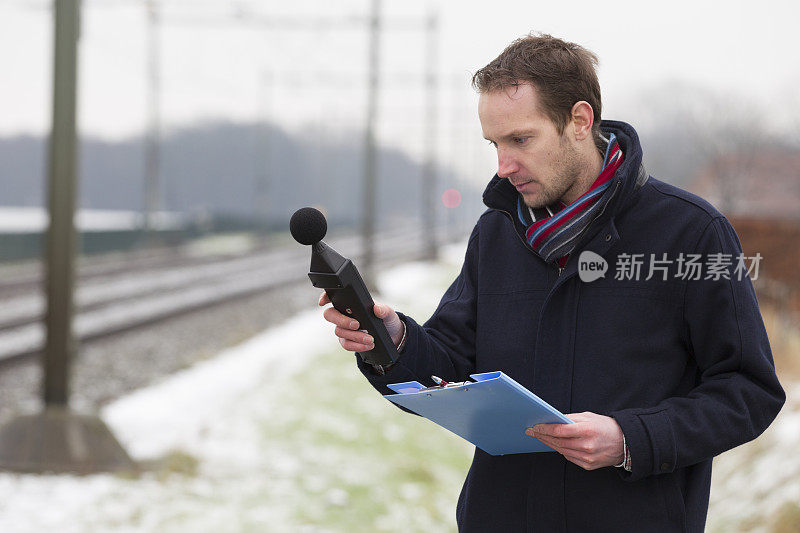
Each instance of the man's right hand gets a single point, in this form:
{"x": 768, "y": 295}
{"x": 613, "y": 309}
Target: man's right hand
{"x": 347, "y": 328}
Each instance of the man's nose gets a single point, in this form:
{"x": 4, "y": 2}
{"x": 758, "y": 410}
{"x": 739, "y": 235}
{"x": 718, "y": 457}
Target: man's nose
{"x": 506, "y": 164}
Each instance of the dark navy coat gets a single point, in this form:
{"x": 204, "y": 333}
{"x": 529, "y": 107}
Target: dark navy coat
{"x": 683, "y": 365}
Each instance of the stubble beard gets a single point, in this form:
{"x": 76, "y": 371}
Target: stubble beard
{"x": 569, "y": 168}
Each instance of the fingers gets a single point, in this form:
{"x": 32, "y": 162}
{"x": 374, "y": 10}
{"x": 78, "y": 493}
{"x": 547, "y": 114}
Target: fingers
{"x": 391, "y": 320}
{"x": 353, "y": 346}
{"x": 347, "y": 329}
{"x": 561, "y": 431}
{"x": 576, "y": 451}
{"x": 338, "y": 319}
{"x": 593, "y": 441}
{"x": 569, "y": 438}
{"x": 382, "y": 311}
{"x": 350, "y": 337}
{"x": 586, "y": 462}
{"x": 355, "y": 338}
{"x": 575, "y": 444}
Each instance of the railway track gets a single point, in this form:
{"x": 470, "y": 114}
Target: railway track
{"x": 111, "y": 298}
{"x": 27, "y": 278}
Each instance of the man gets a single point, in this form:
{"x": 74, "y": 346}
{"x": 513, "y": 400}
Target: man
{"x": 662, "y": 366}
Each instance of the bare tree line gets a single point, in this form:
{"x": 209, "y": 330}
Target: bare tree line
{"x": 691, "y": 130}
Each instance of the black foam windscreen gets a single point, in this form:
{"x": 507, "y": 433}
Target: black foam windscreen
{"x": 308, "y": 225}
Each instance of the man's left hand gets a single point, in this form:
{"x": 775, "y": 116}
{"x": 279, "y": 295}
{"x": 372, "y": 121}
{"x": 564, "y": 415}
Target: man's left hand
{"x": 592, "y": 442}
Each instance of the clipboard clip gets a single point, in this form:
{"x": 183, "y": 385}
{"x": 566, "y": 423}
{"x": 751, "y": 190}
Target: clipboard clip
{"x": 409, "y": 387}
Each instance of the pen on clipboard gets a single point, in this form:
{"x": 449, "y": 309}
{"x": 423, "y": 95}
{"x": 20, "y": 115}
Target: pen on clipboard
{"x": 442, "y": 384}
{"x": 439, "y": 381}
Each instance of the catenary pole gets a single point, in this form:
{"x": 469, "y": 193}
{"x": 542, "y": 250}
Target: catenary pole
{"x": 152, "y": 178}
{"x": 57, "y": 439}
{"x": 370, "y": 164}
{"x": 429, "y": 187}
{"x": 61, "y": 235}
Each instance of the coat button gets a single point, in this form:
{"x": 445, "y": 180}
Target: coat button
{"x": 665, "y": 467}
{"x": 608, "y": 237}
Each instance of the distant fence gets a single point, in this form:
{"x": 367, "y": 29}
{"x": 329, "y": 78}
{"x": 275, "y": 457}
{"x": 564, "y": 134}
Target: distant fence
{"x": 22, "y": 230}
{"x": 20, "y": 246}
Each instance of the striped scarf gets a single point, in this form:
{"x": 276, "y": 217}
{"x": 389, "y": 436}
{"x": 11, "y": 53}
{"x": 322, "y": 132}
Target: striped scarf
{"x": 554, "y": 236}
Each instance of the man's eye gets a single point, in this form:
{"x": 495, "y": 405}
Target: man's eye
{"x": 520, "y": 140}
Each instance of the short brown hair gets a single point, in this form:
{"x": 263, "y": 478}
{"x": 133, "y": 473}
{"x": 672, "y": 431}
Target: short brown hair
{"x": 562, "y": 73}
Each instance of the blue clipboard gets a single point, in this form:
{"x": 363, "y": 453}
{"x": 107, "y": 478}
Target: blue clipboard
{"x": 492, "y": 413}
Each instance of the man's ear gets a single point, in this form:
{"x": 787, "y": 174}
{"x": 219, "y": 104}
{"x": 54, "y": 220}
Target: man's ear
{"x": 582, "y": 120}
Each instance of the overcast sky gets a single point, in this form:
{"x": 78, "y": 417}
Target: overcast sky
{"x": 219, "y": 62}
